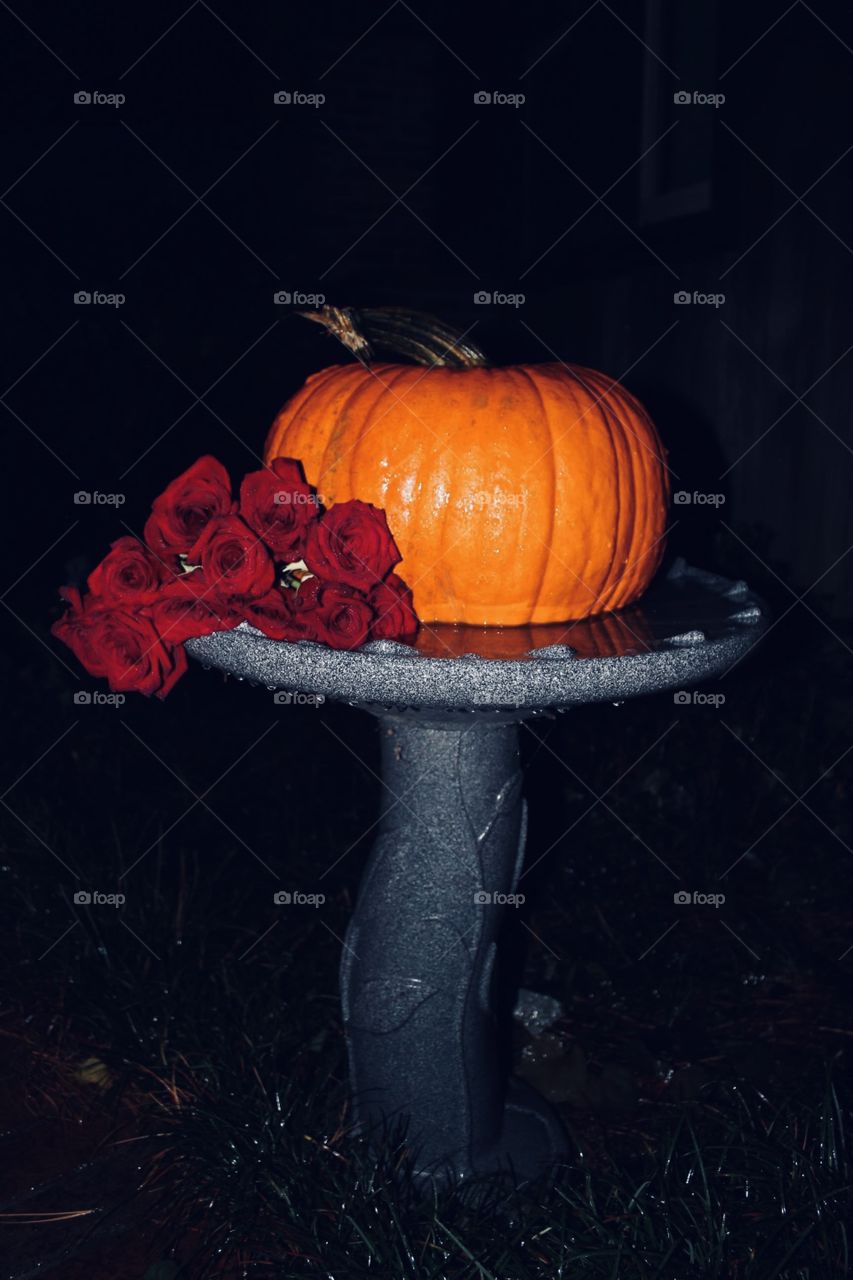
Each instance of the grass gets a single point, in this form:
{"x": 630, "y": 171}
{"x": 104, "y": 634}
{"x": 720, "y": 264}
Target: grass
{"x": 191, "y": 1041}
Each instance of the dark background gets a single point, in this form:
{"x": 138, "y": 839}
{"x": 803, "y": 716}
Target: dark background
{"x": 492, "y": 197}
{"x": 598, "y": 199}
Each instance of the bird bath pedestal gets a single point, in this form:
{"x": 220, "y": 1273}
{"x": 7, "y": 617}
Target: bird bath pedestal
{"x": 417, "y": 973}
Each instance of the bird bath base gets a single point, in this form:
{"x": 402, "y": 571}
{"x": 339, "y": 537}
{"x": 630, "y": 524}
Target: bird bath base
{"x": 419, "y": 961}
{"x": 417, "y": 977}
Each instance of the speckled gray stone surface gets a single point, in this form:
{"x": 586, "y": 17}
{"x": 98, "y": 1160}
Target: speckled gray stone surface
{"x": 694, "y": 625}
{"x": 418, "y": 967}
{"x": 419, "y": 960}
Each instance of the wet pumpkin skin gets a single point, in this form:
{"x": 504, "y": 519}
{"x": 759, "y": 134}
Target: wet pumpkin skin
{"x": 527, "y": 494}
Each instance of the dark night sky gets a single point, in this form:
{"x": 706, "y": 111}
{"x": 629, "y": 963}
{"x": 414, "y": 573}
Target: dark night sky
{"x": 199, "y": 197}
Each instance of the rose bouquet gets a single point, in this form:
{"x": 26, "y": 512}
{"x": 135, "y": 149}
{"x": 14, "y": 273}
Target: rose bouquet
{"x": 274, "y": 558}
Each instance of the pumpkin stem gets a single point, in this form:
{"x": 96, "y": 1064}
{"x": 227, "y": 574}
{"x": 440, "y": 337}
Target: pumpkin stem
{"x": 415, "y": 334}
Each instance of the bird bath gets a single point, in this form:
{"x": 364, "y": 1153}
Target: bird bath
{"x": 417, "y": 973}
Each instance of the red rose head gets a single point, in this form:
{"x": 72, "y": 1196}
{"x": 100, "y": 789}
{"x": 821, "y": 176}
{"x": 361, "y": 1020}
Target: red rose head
{"x": 395, "y": 610}
{"x": 272, "y": 615}
{"x": 279, "y": 505}
{"x": 235, "y": 563}
{"x": 76, "y": 628}
{"x": 204, "y": 568}
{"x": 180, "y": 614}
{"x": 303, "y": 599}
{"x": 332, "y": 612}
{"x": 122, "y": 646}
{"x": 351, "y": 543}
{"x": 185, "y": 507}
{"x": 128, "y": 574}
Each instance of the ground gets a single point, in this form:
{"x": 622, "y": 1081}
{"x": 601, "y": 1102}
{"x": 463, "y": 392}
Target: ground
{"x": 175, "y": 1100}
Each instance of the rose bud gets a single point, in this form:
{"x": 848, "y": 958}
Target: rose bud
{"x": 395, "y": 610}
{"x": 76, "y": 629}
{"x": 303, "y": 599}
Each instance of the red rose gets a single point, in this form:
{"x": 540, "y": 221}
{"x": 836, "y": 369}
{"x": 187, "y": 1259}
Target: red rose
{"x": 128, "y": 574}
{"x": 333, "y": 612}
{"x": 395, "y": 610}
{"x": 134, "y": 655}
{"x": 180, "y": 614}
{"x": 125, "y": 647}
{"x": 279, "y": 505}
{"x": 183, "y": 509}
{"x": 303, "y": 599}
{"x": 76, "y": 628}
{"x": 351, "y": 543}
{"x": 235, "y": 563}
{"x": 271, "y": 615}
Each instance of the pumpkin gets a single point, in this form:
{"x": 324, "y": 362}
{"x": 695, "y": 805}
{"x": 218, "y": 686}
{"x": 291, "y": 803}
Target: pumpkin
{"x": 524, "y": 494}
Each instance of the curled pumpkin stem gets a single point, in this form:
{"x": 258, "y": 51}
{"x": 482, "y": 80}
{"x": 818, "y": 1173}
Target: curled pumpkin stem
{"x": 413, "y": 334}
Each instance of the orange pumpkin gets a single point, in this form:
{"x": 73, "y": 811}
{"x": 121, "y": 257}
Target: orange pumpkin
{"x": 527, "y": 494}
